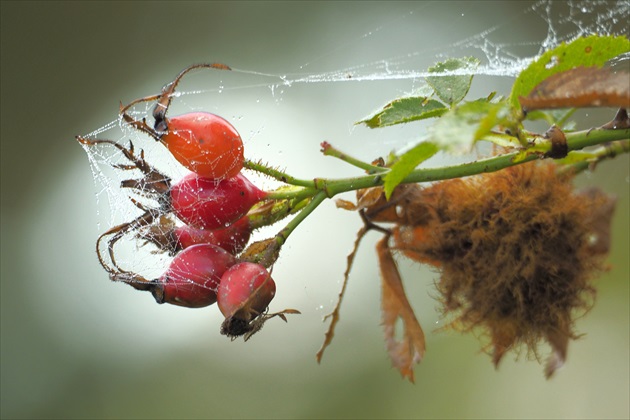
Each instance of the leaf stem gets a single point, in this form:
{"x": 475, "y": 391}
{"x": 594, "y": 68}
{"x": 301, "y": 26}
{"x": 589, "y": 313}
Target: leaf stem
{"x": 329, "y": 150}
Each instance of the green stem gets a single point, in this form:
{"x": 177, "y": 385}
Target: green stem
{"x": 329, "y": 150}
{"x": 608, "y": 151}
{"x": 331, "y": 187}
{"x": 298, "y": 194}
{"x": 282, "y": 236}
{"x": 575, "y": 141}
{"x": 581, "y": 139}
{"x": 321, "y": 188}
{"x": 277, "y": 174}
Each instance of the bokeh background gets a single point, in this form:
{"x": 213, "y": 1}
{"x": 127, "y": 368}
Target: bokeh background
{"x": 74, "y": 345}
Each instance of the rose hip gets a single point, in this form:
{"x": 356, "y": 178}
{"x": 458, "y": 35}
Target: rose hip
{"x": 206, "y": 203}
{"x": 232, "y": 238}
{"x": 245, "y": 291}
{"x": 193, "y": 276}
{"x": 204, "y": 143}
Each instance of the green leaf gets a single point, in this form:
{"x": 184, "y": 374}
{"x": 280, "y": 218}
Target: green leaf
{"x": 407, "y": 163}
{"x": 452, "y": 89}
{"x": 497, "y": 113}
{"x": 405, "y": 110}
{"x": 590, "y": 51}
{"x": 467, "y": 123}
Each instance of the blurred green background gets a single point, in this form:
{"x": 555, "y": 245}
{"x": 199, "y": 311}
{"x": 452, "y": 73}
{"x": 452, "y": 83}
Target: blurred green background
{"x": 74, "y": 345}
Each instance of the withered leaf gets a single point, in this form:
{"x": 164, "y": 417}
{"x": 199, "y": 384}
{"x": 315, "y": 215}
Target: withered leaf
{"x": 394, "y": 305}
{"x": 365, "y": 198}
{"x": 345, "y": 204}
{"x": 581, "y": 87}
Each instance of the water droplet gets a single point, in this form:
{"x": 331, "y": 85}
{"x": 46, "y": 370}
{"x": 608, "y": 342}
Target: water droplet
{"x": 552, "y": 63}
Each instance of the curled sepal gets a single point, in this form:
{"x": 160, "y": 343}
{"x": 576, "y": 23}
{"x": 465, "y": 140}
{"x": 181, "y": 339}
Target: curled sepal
{"x": 394, "y": 305}
{"x": 236, "y": 326}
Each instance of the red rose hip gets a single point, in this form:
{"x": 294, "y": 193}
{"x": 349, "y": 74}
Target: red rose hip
{"x": 204, "y": 143}
{"x": 193, "y": 277}
{"x": 245, "y": 291}
{"x": 232, "y": 238}
{"x": 206, "y": 203}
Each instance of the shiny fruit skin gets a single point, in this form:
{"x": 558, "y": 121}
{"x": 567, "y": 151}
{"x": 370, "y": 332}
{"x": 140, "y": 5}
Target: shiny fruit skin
{"x": 193, "y": 277}
{"x": 245, "y": 291}
{"x": 206, "y": 203}
{"x": 205, "y": 144}
{"x": 232, "y": 238}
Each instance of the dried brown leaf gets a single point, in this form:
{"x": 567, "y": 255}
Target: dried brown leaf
{"x": 345, "y": 204}
{"x": 581, "y": 87}
{"x": 395, "y": 306}
{"x": 368, "y": 197}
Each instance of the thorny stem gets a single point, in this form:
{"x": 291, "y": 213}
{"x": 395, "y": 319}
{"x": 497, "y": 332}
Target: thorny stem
{"x": 297, "y": 195}
{"x": 322, "y": 188}
{"x": 332, "y": 187}
{"x": 277, "y": 174}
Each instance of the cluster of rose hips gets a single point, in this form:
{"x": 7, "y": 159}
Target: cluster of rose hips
{"x": 212, "y": 202}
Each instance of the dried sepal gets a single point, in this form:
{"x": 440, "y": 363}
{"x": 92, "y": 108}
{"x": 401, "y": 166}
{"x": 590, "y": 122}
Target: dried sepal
{"x": 161, "y": 234}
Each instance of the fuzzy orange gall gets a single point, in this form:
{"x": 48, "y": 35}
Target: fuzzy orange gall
{"x": 517, "y": 251}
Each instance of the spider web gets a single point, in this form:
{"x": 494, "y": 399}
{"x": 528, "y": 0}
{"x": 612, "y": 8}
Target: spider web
{"x": 283, "y": 116}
